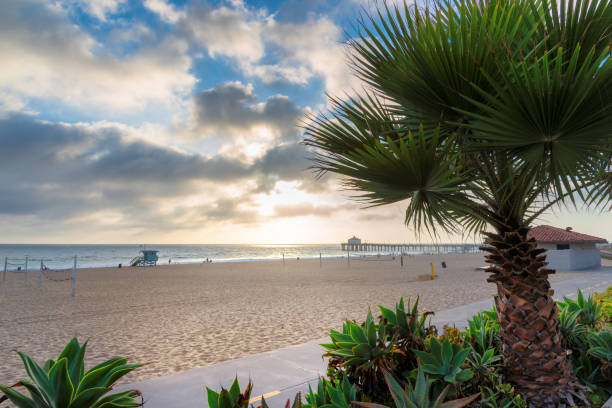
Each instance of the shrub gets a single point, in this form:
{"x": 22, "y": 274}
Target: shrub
{"x": 606, "y": 304}
{"x": 332, "y": 394}
{"x": 64, "y": 383}
{"x": 360, "y": 353}
{"x": 589, "y": 309}
{"x": 419, "y": 395}
{"x": 445, "y": 361}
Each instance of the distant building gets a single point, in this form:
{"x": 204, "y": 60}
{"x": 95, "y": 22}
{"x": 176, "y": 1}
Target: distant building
{"x": 568, "y": 250}
{"x": 354, "y": 240}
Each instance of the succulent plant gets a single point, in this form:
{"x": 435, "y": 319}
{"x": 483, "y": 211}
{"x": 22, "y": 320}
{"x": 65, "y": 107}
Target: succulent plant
{"x": 445, "y": 360}
{"x": 574, "y": 333}
{"x": 419, "y": 395}
{"x": 601, "y": 346}
{"x": 406, "y": 325}
{"x": 361, "y": 352}
{"x": 65, "y": 384}
{"x": 232, "y": 398}
{"x": 590, "y": 310}
{"x": 336, "y": 394}
{"x": 482, "y": 332}
{"x": 484, "y": 365}
{"x": 297, "y": 402}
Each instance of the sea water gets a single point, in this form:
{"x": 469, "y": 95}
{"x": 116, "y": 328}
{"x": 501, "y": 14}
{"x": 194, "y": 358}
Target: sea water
{"x": 62, "y": 256}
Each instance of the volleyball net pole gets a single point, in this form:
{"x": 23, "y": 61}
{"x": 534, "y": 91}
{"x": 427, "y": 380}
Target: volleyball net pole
{"x": 40, "y": 274}
{"x": 5, "y": 266}
{"x": 25, "y": 274}
{"x": 74, "y": 276}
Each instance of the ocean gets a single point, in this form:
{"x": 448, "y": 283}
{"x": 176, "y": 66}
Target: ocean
{"x": 62, "y": 256}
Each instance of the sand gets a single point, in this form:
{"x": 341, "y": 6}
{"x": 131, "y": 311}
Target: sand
{"x": 184, "y": 316}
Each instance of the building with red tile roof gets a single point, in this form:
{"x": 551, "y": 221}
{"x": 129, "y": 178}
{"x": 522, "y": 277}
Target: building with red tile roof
{"x": 567, "y": 249}
{"x": 546, "y": 233}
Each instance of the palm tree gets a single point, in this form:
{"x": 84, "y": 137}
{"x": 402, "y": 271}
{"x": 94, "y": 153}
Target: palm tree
{"x": 482, "y": 115}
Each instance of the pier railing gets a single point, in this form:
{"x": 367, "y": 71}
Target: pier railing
{"x": 410, "y": 248}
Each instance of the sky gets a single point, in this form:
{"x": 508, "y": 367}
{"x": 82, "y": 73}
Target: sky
{"x": 158, "y": 121}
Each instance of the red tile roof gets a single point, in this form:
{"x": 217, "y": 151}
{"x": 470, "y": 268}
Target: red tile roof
{"x": 546, "y": 233}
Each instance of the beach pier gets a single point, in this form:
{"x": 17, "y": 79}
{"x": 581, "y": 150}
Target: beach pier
{"x": 355, "y": 245}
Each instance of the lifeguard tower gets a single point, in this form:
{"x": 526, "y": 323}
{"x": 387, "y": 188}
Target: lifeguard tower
{"x": 147, "y": 257}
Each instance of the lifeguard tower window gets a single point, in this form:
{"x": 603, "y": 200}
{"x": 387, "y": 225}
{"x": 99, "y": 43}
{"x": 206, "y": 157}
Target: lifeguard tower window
{"x": 563, "y": 246}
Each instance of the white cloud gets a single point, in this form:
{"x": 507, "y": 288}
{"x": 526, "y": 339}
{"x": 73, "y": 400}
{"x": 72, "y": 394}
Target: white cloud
{"x": 48, "y": 58}
{"x": 229, "y": 32}
{"x": 299, "y": 51}
{"x": 165, "y": 10}
{"x": 99, "y": 8}
{"x": 314, "y": 48}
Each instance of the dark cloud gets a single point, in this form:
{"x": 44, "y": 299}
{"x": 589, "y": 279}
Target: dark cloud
{"x": 60, "y": 171}
{"x": 288, "y": 161}
{"x": 233, "y": 106}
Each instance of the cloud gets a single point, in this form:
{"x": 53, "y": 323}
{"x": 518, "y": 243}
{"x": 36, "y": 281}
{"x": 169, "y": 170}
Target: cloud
{"x": 165, "y": 10}
{"x": 231, "y": 109}
{"x": 71, "y": 172}
{"x": 46, "y": 57}
{"x": 304, "y": 210}
{"x": 98, "y": 8}
{"x": 268, "y": 49}
{"x": 226, "y": 31}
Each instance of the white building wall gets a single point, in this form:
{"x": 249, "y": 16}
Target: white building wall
{"x": 579, "y": 256}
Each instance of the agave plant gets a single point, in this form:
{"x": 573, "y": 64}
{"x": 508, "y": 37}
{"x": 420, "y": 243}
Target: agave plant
{"x": 332, "y": 394}
{"x": 407, "y": 330}
{"x": 483, "y": 365}
{"x": 64, "y": 383}
{"x": 408, "y": 326}
{"x": 481, "y": 116}
{"x": 297, "y": 402}
{"x": 482, "y": 333}
{"x": 601, "y": 346}
{"x": 232, "y": 398}
{"x": 589, "y": 310}
{"x": 419, "y": 395}
{"x": 574, "y": 333}
{"x": 445, "y": 360}
{"x": 361, "y": 352}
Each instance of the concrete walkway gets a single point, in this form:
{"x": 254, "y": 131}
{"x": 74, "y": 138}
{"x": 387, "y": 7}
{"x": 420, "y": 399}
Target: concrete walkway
{"x": 280, "y": 374}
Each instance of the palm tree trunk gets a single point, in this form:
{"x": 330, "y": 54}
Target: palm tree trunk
{"x": 535, "y": 360}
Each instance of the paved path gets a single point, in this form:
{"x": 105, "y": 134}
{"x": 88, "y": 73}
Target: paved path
{"x": 280, "y": 374}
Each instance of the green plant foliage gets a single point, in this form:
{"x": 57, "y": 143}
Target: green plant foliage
{"x": 332, "y": 394}
{"x": 589, "y": 309}
{"x": 606, "y": 304}
{"x": 64, "y": 383}
{"x": 232, "y": 398}
{"x": 407, "y": 331}
{"x": 574, "y": 333}
{"x": 419, "y": 395}
{"x": 297, "y": 402}
{"x": 591, "y": 372}
{"x": 445, "y": 360}
{"x": 484, "y": 365}
{"x": 408, "y": 326}
{"x": 361, "y": 352}
{"x": 483, "y": 333}
{"x": 601, "y": 346}
{"x": 503, "y": 396}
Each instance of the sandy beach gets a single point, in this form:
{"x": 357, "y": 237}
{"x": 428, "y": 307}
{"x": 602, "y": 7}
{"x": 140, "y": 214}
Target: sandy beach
{"x": 182, "y": 316}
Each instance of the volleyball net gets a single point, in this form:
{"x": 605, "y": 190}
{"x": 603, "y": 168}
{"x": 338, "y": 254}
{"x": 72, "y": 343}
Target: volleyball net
{"x": 56, "y": 275}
